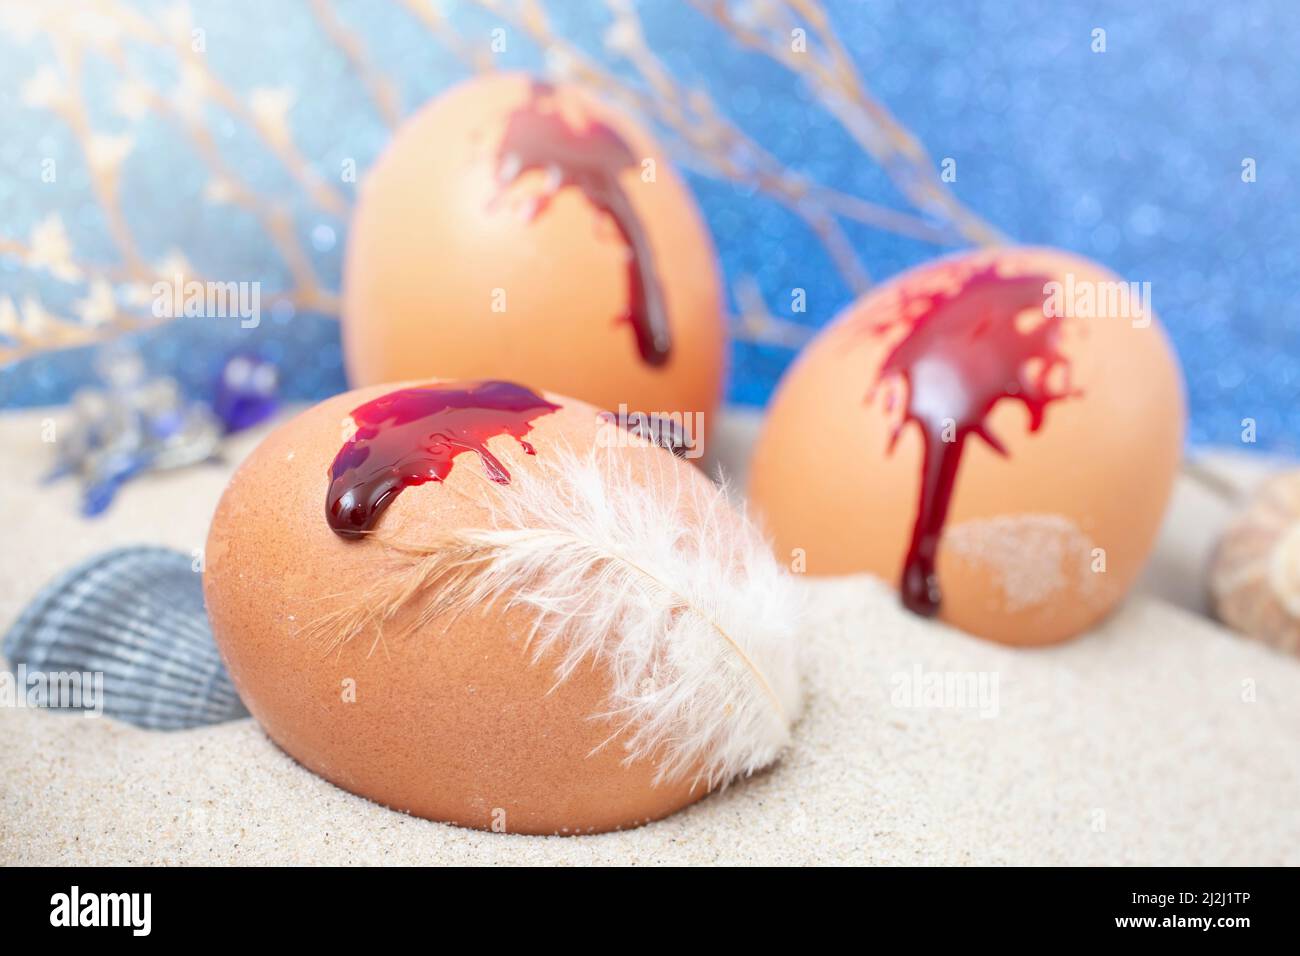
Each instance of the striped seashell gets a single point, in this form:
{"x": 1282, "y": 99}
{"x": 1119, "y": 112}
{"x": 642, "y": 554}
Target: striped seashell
{"x": 136, "y": 615}
{"x": 1255, "y": 574}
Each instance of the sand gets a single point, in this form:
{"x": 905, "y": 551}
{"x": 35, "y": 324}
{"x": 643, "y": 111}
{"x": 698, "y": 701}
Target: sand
{"x": 1158, "y": 739}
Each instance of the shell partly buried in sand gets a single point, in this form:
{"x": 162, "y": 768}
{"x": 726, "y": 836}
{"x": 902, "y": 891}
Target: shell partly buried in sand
{"x": 134, "y": 615}
{"x": 589, "y": 644}
{"x": 1255, "y": 576}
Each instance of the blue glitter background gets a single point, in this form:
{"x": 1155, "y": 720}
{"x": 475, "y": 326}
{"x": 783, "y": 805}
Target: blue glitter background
{"x": 1132, "y": 157}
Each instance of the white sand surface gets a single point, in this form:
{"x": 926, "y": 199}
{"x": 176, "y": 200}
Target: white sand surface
{"x": 1158, "y": 739}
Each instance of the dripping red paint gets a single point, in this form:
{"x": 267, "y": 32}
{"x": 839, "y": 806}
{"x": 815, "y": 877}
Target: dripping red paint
{"x": 413, "y": 435}
{"x": 964, "y": 352}
{"x": 590, "y": 158}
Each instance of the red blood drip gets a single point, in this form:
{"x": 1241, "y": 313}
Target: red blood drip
{"x": 413, "y": 435}
{"x": 963, "y": 353}
{"x": 590, "y": 158}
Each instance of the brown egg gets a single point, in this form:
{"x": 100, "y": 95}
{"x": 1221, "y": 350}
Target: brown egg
{"x": 1000, "y": 447}
{"x": 450, "y": 714}
{"x": 518, "y": 230}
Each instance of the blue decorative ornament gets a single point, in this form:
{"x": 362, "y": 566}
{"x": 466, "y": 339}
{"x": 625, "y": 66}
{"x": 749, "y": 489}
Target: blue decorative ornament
{"x": 247, "y": 392}
{"x": 129, "y": 426}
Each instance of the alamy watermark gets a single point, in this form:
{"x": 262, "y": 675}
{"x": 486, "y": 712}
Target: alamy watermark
{"x": 682, "y": 433}
{"x": 59, "y": 690}
{"x": 193, "y": 299}
{"x": 946, "y": 690}
{"x": 1092, "y": 299}
{"x": 129, "y": 910}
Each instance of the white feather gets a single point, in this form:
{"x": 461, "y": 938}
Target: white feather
{"x": 664, "y": 584}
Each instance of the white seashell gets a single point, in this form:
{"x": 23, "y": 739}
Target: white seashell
{"x": 1255, "y": 574}
{"x": 135, "y": 615}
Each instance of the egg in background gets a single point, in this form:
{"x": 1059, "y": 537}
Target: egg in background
{"x": 1037, "y": 545}
{"x": 470, "y": 257}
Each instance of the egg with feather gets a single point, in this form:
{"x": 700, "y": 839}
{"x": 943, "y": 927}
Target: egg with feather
{"x": 494, "y": 606}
